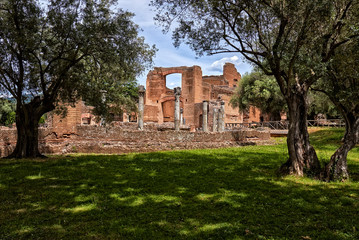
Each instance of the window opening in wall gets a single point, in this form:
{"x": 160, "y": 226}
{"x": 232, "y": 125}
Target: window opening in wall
{"x": 174, "y": 80}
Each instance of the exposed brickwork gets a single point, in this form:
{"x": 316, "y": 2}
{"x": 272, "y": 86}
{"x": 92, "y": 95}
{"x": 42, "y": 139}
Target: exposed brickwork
{"x": 124, "y": 139}
{"x": 195, "y": 89}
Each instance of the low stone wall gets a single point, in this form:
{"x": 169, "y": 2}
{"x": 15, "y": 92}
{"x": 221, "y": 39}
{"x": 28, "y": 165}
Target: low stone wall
{"x": 92, "y": 139}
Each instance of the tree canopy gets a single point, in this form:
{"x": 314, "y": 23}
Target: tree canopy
{"x": 7, "y": 112}
{"x": 63, "y": 51}
{"x": 262, "y": 91}
{"x": 341, "y": 85}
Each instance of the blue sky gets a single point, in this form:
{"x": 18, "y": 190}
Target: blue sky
{"x": 168, "y": 55}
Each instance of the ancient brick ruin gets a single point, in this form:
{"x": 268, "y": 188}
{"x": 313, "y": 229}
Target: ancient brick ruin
{"x": 202, "y": 103}
{"x": 160, "y": 100}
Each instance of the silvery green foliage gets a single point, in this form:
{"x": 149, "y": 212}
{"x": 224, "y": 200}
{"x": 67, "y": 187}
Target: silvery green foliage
{"x": 61, "y": 50}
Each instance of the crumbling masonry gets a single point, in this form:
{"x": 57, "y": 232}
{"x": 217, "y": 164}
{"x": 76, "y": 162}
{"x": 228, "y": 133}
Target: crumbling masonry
{"x": 160, "y": 100}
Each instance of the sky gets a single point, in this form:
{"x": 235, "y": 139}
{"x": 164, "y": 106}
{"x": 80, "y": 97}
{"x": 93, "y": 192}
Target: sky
{"x": 169, "y": 56}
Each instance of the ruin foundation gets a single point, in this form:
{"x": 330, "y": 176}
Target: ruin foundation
{"x": 125, "y": 139}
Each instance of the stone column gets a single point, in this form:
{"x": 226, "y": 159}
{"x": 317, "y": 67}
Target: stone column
{"x": 215, "y": 118}
{"x": 141, "y": 93}
{"x": 221, "y": 117}
{"x": 205, "y": 116}
{"x": 103, "y": 100}
{"x": 181, "y": 117}
{"x": 177, "y": 91}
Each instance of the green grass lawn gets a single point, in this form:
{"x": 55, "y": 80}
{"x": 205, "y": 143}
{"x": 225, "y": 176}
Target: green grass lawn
{"x": 199, "y": 194}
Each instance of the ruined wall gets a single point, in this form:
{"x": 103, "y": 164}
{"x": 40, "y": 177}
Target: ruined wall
{"x": 72, "y": 119}
{"x": 231, "y": 74}
{"x": 157, "y": 93}
{"x": 92, "y": 139}
{"x": 195, "y": 89}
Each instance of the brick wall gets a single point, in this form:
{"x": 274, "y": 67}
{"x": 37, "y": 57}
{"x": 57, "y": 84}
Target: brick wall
{"x": 92, "y": 139}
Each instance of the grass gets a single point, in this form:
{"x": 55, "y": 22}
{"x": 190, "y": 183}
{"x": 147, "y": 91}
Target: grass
{"x": 199, "y": 194}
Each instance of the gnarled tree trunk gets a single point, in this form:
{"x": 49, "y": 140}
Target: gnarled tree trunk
{"x": 27, "y": 124}
{"x": 337, "y": 168}
{"x": 303, "y": 159}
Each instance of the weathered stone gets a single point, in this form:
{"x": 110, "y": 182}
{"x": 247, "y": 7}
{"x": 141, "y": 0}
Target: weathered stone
{"x": 126, "y": 138}
{"x": 215, "y": 120}
{"x": 221, "y": 116}
{"x": 177, "y": 115}
{"x": 205, "y": 116}
{"x": 141, "y": 93}
{"x": 195, "y": 89}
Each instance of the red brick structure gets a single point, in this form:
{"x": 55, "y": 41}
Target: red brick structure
{"x": 159, "y": 100}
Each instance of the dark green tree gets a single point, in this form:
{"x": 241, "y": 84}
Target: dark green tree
{"x": 61, "y": 52}
{"x": 262, "y": 91}
{"x": 7, "y": 112}
{"x": 341, "y": 85}
{"x": 291, "y": 40}
{"x": 319, "y": 103}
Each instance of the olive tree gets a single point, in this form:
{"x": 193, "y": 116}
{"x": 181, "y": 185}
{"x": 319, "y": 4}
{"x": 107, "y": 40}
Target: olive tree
{"x": 341, "y": 85}
{"x": 63, "y": 51}
{"x": 291, "y": 40}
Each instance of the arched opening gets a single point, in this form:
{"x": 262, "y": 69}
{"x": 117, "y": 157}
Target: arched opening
{"x": 174, "y": 80}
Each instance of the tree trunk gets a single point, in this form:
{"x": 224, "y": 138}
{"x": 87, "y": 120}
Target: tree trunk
{"x": 27, "y": 124}
{"x": 303, "y": 159}
{"x": 337, "y": 168}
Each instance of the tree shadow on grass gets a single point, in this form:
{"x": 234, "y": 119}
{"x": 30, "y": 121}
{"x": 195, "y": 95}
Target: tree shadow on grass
{"x": 211, "y": 194}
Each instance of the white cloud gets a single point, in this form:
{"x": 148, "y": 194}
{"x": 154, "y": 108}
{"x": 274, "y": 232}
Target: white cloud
{"x": 218, "y": 65}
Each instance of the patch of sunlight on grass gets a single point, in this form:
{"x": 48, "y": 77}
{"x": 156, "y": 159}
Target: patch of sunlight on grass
{"x": 205, "y": 197}
{"x": 162, "y": 223}
{"x": 185, "y": 232}
{"x": 83, "y": 198}
{"x": 131, "y": 229}
{"x": 24, "y": 229}
{"x": 153, "y": 173}
{"x": 120, "y": 182}
{"x": 182, "y": 189}
{"x": 132, "y": 201}
{"x": 81, "y": 208}
{"x": 232, "y": 198}
{"x": 34, "y": 177}
{"x": 193, "y": 222}
{"x": 323, "y": 199}
{"x": 130, "y": 189}
{"x": 56, "y": 227}
{"x": 164, "y": 198}
{"x": 21, "y": 210}
{"x": 137, "y": 201}
{"x": 212, "y": 227}
{"x": 36, "y": 206}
